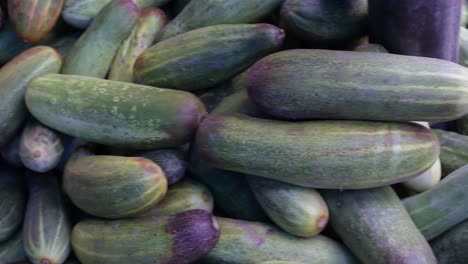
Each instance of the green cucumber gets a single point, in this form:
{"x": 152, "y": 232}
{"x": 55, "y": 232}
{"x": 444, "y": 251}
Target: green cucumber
{"x": 376, "y": 227}
{"x": 440, "y": 208}
{"x": 180, "y": 239}
{"x": 450, "y": 247}
{"x": 206, "y": 57}
{"x": 14, "y": 78}
{"x": 321, "y": 84}
{"x": 243, "y": 242}
{"x": 183, "y": 196}
{"x": 112, "y": 186}
{"x": 239, "y": 103}
{"x": 12, "y": 250}
{"x": 371, "y": 47}
{"x": 92, "y": 53}
{"x": 297, "y": 210}
{"x": 321, "y": 154}
{"x": 171, "y": 161}
{"x": 47, "y": 227}
{"x": 453, "y": 150}
{"x": 203, "y": 13}
{"x": 12, "y": 201}
{"x": 115, "y": 113}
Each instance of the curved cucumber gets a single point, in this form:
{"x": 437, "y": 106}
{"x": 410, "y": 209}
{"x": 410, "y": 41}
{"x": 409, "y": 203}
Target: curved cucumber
{"x": 115, "y": 113}
{"x": 321, "y": 154}
{"x": 12, "y": 250}
{"x": 450, "y": 247}
{"x": 12, "y": 201}
{"x": 453, "y": 150}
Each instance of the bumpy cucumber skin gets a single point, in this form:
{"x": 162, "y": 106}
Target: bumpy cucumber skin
{"x": 376, "y": 227}
{"x": 315, "y": 84}
{"x": 298, "y": 210}
{"x": 10, "y": 152}
{"x": 143, "y": 34}
{"x": 243, "y": 242}
{"x": 115, "y": 113}
{"x": 14, "y": 79}
{"x": 206, "y": 57}
{"x": 12, "y": 201}
{"x": 321, "y": 154}
{"x": 178, "y": 239}
{"x": 204, "y": 13}
{"x": 112, "y": 186}
{"x": 450, "y": 247}
{"x": 33, "y": 19}
{"x": 12, "y": 250}
{"x": 40, "y": 148}
{"x": 453, "y": 150}
{"x": 171, "y": 161}
{"x": 47, "y": 227}
{"x": 183, "y": 196}
{"x": 440, "y": 208}
{"x": 92, "y": 53}
{"x": 371, "y": 47}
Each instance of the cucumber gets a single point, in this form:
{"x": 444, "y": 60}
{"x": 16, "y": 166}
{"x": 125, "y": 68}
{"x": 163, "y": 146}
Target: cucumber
{"x": 143, "y": 34}
{"x": 10, "y": 152}
{"x": 112, "y": 186}
{"x": 47, "y": 227}
{"x": 376, "y": 227}
{"x": 239, "y": 103}
{"x": 33, "y": 19}
{"x": 243, "y": 242}
{"x": 14, "y": 78}
{"x": 63, "y": 45}
{"x": 12, "y": 250}
{"x": 321, "y": 154}
{"x": 172, "y": 162}
{"x": 206, "y": 57}
{"x": 463, "y": 47}
{"x": 371, "y": 47}
{"x": 181, "y": 239}
{"x": 183, "y": 196}
{"x": 450, "y": 247}
{"x": 453, "y": 150}
{"x": 115, "y": 113}
{"x": 297, "y": 210}
{"x": 315, "y": 84}
{"x": 440, "y": 208}
{"x": 12, "y": 201}
{"x": 92, "y": 53}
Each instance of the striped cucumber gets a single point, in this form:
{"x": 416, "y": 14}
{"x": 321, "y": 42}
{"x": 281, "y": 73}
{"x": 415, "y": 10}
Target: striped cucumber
{"x": 112, "y": 186}
{"x": 376, "y": 227}
{"x": 450, "y": 247}
{"x": 12, "y": 201}
{"x": 143, "y": 34}
{"x": 315, "y": 84}
{"x": 12, "y": 250}
{"x": 203, "y": 13}
{"x": 440, "y": 208}
{"x": 206, "y": 57}
{"x": 243, "y": 242}
{"x": 321, "y": 154}
{"x": 181, "y": 239}
{"x": 115, "y": 113}
{"x": 297, "y": 210}
{"x": 92, "y": 53}
{"x": 453, "y": 150}
{"x": 171, "y": 161}
{"x": 47, "y": 227}
{"x": 33, "y": 19}
{"x": 14, "y": 79}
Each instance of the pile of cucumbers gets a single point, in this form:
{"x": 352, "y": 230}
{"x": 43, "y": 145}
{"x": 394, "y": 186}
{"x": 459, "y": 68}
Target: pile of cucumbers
{"x": 233, "y": 131}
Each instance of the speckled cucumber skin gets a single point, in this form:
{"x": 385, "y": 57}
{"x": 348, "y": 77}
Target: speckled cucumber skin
{"x": 12, "y": 250}
{"x": 178, "y": 239}
{"x": 321, "y": 154}
{"x": 203, "y": 13}
{"x": 113, "y": 186}
{"x": 33, "y": 19}
{"x": 143, "y": 34}
{"x": 181, "y": 197}
{"x": 172, "y": 162}
{"x": 315, "y": 84}
{"x": 298, "y": 210}
{"x": 12, "y": 201}
{"x": 101, "y": 40}
{"x": 376, "y": 227}
{"x": 47, "y": 227}
{"x": 206, "y": 57}
{"x": 14, "y": 79}
{"x": 371, "y": 47}
{"x": 450, "y": 247}
{"x": 453, "y": 150}
{"x": 243, "y": 242}
{"x": 115, "y": 113}
{"x": 440, "y": 208}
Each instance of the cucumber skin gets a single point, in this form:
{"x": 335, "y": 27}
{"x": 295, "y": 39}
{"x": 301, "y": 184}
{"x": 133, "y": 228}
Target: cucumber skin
{"x": 440, "y": 208}
{"x": 383, "y": 232}
{"x": 115, "y": 113}
{"x": 12, "y": 201}
{"x": 450, "y": 247}
{"x": 172, "y": 162}
{"x": 12, "y": 250}
{"x": 453, "y": 150}
{"x": 314, "y": 84}
{"x": 299, "y": 153}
